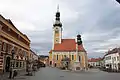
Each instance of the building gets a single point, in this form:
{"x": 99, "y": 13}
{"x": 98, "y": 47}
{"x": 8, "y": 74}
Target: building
{"x": 12, "y": 41}
{"x": 66, "y": 48}
{"x": 33, "y": 55}
{"x": 33, "y": 58}
{"x": 112, "y": 59}
{"x": 95, "y": 62}
{"x": 44, "y": 59}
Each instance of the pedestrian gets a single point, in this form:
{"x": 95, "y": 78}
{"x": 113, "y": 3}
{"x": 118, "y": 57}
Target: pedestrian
{"x": 14, "y": 73}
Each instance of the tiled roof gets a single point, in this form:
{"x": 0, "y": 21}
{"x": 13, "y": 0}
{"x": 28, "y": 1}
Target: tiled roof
{"x": 94, "y": 59}
{"x": 68, "y": 45}
{"x": 33, "y": 52}
{"x": 113, "y": 51}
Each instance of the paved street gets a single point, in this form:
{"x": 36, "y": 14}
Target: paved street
{"x": 56, "y": 74}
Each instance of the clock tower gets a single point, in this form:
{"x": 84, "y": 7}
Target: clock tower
{"x": 57, "y": 29}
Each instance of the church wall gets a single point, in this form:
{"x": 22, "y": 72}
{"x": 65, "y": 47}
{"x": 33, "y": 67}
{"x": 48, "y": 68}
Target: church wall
{"x": 61, "y": 56}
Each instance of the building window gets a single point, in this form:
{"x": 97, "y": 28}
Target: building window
{"x": 72, "y": 57}
{"x": 114, "y": 58}
{"x": 4, "y": 46}
{"x": 56, "y": 40}
{"x": 64, "y": 56}
{"x": 108, "y": 58}
{"x": 17, "y": 64}
{"x": 118, "y": 58}
{"x": 20, "y": 64}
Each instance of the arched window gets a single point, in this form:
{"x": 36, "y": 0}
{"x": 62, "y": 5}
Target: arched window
{"x": 57, "y": 57}
{"x": 72, "y": 57}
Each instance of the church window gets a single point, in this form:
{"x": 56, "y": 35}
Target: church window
{"x": 72, "y": 57}
{"x": 56, "y": 40}
{"x": 57, "y": 57}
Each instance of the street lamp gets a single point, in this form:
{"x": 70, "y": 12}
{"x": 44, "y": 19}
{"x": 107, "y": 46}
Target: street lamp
{"x": 79, "y": 42}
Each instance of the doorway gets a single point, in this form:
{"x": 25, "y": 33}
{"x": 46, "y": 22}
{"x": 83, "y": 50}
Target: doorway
{"x": 55, "y": 64}
{"x": 50, "y": 63}
{"x": 7, "y": 65}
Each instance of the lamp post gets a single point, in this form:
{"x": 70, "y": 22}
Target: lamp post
{"x": 79, "y": 42}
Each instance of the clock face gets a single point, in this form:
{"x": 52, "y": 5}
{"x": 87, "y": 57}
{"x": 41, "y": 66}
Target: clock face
{"x": 56, "y": 30}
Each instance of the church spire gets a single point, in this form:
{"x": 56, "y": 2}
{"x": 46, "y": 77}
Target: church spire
{"x": 58, "y": 8}
{"x": 57, "y": 19}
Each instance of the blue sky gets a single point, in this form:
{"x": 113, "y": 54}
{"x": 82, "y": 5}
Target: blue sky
{"x": 97, "y": 21}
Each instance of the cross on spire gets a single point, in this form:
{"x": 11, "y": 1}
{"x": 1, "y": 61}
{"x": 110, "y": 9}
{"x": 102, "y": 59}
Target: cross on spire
{"x": 58, "y": 8}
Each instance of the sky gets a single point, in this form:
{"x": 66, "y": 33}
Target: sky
{"x": 98, "y": 22}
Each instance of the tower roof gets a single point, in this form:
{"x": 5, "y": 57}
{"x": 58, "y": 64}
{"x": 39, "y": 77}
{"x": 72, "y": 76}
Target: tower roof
{"x": 57, "y": 19}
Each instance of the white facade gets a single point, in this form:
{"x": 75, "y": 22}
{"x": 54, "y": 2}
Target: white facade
{"x": 112, "y": 60}
{"x": 94, "y": 64}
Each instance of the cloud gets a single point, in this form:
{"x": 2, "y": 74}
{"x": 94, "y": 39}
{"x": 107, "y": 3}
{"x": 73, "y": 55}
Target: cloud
{"x": 96, "y": 20}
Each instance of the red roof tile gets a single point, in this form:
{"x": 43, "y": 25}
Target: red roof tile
{"x": 68, "y": 45}
{"x": 94, "y": 59}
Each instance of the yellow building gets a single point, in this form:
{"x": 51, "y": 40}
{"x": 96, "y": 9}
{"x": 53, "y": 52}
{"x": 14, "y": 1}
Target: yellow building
{"x": 66, "y": 48}
{"x": 11, "y": 39}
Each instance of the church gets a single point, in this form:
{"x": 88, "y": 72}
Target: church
{"x": 71, "y": 50}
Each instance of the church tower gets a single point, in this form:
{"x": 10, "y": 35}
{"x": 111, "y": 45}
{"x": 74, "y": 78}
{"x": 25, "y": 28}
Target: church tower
{"x": 57, "y": 29}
